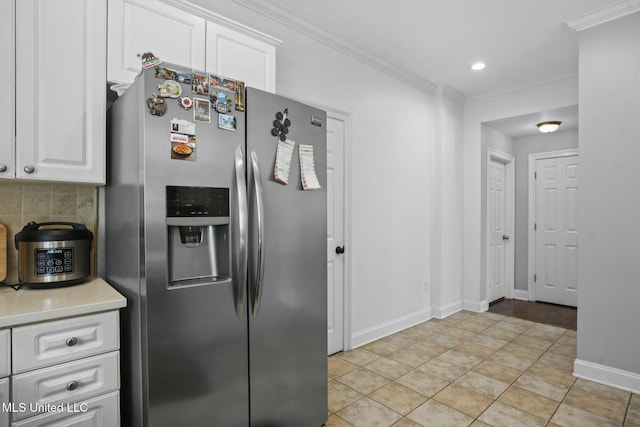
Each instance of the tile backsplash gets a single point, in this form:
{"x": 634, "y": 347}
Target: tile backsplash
{"x": 22, "y": 203}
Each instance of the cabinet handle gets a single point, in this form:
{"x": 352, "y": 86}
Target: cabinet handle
{"x": 72, "y": 385}
{"x": 29, "y": 169}
{"x": 3, "y": 168}
{"x": 72, "y": 341}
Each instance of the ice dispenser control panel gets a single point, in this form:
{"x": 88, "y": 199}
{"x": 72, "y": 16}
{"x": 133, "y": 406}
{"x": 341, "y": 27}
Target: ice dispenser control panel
{"x": 197, "y": 202}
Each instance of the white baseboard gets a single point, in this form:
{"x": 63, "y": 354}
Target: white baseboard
{"x": 391, "y": 327}
{"x": 477, "y": 306}
{"x": 607, "y": 375}
{"x": 447, "y": 310}
{"x": 521, "y": 295}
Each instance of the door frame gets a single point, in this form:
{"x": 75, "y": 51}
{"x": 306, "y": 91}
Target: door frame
{"x": 510, "y": 262}
{"x": 346, "y": 279}
{"x": 533, "y": 158}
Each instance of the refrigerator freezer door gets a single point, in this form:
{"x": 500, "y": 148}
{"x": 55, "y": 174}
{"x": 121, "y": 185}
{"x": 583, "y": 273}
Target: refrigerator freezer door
{"x": 184, "y": 349}
{"x": 288, "y": 336}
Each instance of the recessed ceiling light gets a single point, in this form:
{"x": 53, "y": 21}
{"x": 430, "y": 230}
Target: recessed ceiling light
{"x": 478, "y": 66}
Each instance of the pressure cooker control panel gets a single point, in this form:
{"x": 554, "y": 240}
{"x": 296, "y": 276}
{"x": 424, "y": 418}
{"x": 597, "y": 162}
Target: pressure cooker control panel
{"x": 53, "y": 261}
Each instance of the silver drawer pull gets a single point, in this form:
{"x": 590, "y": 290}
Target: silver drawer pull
{"x": 29, "y": 169}
{"x": 72, "y": 341}
{"x": 72, "y": 385}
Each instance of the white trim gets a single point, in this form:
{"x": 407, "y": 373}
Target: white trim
{"x": 303, "y": 26}
{"x": 521, "y": 295}
{"x": 447, "y": 310}
{"x": 607, "y": 375}
{"x": 533, "y": 157}
{"x": 510, "y": 220}
{"x": 509, "y": 92}
{"x": 603, "y": 14}
{"x": 451, "y": 94}
{"x": 476, "y": 306}
{"x": 207, "y": 14}
{"x": 391, "y": 327}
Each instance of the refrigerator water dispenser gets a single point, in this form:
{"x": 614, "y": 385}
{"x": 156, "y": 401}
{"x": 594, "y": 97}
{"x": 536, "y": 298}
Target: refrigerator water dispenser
{"x": 198, "y": 243}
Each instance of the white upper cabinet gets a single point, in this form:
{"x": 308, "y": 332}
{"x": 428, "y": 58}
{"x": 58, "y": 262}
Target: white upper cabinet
{"x": 241, "y": 57}
{"x": 7, "y": 130}
{"x": 186, "y": 35}
{"x": 139, "y": 26}
{"x": 60, "y": 105}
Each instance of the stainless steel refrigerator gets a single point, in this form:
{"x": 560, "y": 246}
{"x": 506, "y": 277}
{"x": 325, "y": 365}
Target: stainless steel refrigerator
{"x": 224, "y": 267}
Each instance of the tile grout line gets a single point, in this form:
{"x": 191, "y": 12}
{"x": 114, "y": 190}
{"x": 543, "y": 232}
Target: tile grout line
{"x": 455, "y": 324}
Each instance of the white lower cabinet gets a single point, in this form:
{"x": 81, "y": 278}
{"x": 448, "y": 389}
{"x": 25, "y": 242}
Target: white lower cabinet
{"x": 5, "y": 402}
{"x": 56, "y": 386}
{"x": 65, "y": 373}
{"x": 102, "y": 411}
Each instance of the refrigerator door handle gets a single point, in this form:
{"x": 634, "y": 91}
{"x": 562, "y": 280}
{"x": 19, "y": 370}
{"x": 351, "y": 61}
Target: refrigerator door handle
{"x": 240, "y": 246}
{"x": 259, "y": 273}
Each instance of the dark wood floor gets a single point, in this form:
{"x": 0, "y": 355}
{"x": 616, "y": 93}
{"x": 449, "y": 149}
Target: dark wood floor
{"x": 541, "y": 312}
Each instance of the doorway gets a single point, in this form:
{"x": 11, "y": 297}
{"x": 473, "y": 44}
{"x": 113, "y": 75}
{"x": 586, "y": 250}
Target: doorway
{"x": 553, "y": 228}
{"x": 500, "y": 225}
{"x": 337, "y": 250}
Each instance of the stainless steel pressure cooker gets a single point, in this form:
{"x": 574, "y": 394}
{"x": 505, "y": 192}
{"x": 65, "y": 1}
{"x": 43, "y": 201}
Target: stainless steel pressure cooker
{"x": 52, "y": 254}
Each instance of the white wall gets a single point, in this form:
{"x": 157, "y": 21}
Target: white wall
{"x": 540, "y": 98}
{"x": 522, "y": 147}
{"x": 446, "y": 239}
{"x": 391, "y": 145}
{"x": 609, "y": 202}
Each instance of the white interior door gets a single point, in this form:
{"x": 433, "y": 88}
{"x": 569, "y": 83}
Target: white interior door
{"x": 335, "y": 233}
{"x": 556, "y": 231}
{"x": 497, "y": 230}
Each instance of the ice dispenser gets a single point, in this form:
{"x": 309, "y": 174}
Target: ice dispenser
{"x": 198, "y": 236}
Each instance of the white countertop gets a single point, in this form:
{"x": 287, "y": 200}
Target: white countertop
{"x": 36, "y": 305}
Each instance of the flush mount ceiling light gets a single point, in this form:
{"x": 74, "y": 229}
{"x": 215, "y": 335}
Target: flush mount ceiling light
{"x": 546, "y": 127}
{"x": 478, "y": 66}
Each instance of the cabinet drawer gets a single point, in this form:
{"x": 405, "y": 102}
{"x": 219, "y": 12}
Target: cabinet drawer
{"x": 40, "y": 390}
{"x": 4, "y": 401}
{"x": 44, "y": 344}
{"x": 102, "y": 411}
{"x": 5, "y": 352}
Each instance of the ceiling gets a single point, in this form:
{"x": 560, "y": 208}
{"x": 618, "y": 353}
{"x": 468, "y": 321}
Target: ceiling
{"x": 431, "y": 43}
{"x": 523, "y": 42}
{"x": 525, "y": 125}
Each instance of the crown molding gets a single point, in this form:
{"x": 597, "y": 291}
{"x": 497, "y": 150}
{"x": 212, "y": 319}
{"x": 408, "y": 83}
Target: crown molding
{"x": 451, "y": 94}
{"x": 297, "y": 23}
{"x": 603, "y": 14}
{"x": 518, "y": 89}
{"x": 223, "y": 20}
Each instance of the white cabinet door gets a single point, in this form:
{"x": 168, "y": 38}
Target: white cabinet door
{"x": 60, "y": 90}
{"x": 139, "y": 26}
{"x": 240, "y": 57}
{"x": 7, "y": 130}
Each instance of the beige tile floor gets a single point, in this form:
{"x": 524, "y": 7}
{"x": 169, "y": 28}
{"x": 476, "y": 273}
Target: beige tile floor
{"x": 478, "y": 369}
